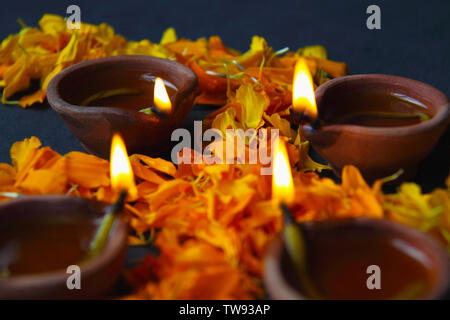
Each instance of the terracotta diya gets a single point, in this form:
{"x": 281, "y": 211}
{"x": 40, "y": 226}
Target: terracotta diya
{"x": 336, "y": 259}
{"x": 42, "y": 236}
{"x": 44, "y": 239}
{"x": 99, "y": 97}
{"x": 339, "y": 253}
{"x": 378, "y": 123}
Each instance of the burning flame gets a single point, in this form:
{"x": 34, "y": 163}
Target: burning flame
{"x": 282, "y": 185}
{"x": 161, "y": 99}
{"x": 122, "y": 177}
{"x": 303, "y": 98}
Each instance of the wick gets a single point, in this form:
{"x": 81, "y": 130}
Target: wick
{"x": 288, "y": 217}
{"x": 117, "y": 206}
{"x": 102, "y": 234}
{"x": 155, "y": 110}
{"x": 295, "y": 243}
{"x": 297, "y": 118}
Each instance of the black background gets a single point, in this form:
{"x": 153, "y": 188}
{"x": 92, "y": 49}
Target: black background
{"x": 413, "y": 42}
{"x": 120, "y": 309}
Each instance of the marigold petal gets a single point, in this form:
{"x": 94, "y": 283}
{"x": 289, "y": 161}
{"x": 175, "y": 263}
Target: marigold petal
{"x": 253, "y": 104}
{"x": 52, "y": 24}
{"x": 7, "y": 174}
{"x": 21, "y": 150}
{"x": 16, "y": 78}
{"x": 44, "y": 181}
{"x": 169, "y": 35}
{"x": 38, "y": 96}
{"x": 352, "y": 179}
{"x": 87, "y": 170}
{"x": 166, "y": 191}
{"x": 156, "y": 164}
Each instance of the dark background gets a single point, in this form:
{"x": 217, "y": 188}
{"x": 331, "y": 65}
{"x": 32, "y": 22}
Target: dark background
{"x": 413, "y": 42}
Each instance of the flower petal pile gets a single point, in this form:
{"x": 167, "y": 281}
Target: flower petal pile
{"x": 40, "y": 53}
{"x": 212, "y": 223}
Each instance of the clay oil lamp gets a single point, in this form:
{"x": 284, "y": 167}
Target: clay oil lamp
{"x": 99, "y": 97}
{"x": 44, "y": 239}
{"x": 378, "y": 123}
{"x": 336, "y": 259}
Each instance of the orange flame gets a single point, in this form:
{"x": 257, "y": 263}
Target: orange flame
{"x": 161, "y": 98}
{"x": 303, "y": 98}
{"x": 282, "y": 185}
{"x": 122, "y": 177}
